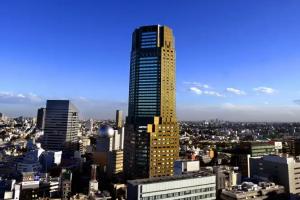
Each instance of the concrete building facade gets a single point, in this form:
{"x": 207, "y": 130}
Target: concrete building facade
{"x": 186, "y": 166}
{"x": 119, "y": 119}
{"x": 279, "y": 169}
{"x": 252, "y": 149}
{"x": 189, "y": 186}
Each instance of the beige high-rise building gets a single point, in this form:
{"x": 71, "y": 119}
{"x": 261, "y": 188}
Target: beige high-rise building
{"x": 151, "y": 132}
{"x": 119, "y": 119}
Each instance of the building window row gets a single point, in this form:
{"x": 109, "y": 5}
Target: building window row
{"x": 184, "y": 193}
{"x": 149, "y": 68}
{"x": 148, "y": 58}
{"x": 145, "y": 42}
{"x": 149, "y": 33}
{"x": 148, "y": 61}
{"x": 148, "y": 46}
{"x": 147, "y": 64}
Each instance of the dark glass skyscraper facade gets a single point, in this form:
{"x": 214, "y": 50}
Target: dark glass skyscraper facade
{"x": 151, "y": 137}
{"x": 61, "y": 126}
{"x": 40, "y": 120}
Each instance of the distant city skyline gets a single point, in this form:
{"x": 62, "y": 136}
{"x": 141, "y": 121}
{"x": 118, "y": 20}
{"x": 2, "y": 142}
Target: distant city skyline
{"x": 236, "y": 61}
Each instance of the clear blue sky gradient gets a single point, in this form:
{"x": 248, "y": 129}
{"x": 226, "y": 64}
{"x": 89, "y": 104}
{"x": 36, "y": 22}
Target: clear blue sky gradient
{"x": 72, "y": 48}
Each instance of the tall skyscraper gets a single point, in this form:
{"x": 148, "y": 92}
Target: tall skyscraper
{"x": 119, "y": 119}
{"x": 61, "y": 125}
{"x": 151, "y": 134}
{"x": 40, "y": 119}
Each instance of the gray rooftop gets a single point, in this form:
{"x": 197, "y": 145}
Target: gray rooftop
{"x": 170, "y": 178}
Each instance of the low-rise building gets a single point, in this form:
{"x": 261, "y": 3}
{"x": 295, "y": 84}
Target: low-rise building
{"x": 227, "y": 177}
{"x": 252, "y": 149}
{"x": 184, "y": 166}
{"x": 282, "y": 170}
{"x": 249, "y": 190}
{"x": 199, "y": 185}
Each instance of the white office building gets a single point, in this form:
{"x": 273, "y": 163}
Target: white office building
{"x": 184, "y": 166}
{"x": 191, "y": 186}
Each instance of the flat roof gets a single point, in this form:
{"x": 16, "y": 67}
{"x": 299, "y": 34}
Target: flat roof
{"x": 170, "y": 178}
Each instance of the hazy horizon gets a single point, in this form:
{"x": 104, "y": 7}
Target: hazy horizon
{"x": 106, "y": 110}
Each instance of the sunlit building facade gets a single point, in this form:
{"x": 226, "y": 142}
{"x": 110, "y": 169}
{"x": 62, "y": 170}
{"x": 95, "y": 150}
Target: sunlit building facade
{"x": 151, "y": 132}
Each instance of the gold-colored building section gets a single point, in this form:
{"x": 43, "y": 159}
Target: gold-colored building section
{"x": 164, "y": 137}
{"x": 164, "y": 145}
{"x": 168, "y": 83}
{"x": 117, "y": 162}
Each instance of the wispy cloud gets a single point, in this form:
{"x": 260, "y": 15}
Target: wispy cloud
{"x": 196, "y": 84}
{"x": 213, "y": 93}
{"x": 196, "y": 90}
{"x": 264, "y": 90}
{"x": 26, "y": 104}
{"x": 235, "y": 91}
{"x": 17, "y": 98}
{"x": 201, "y": 89}
{"x": 206, "y": 86}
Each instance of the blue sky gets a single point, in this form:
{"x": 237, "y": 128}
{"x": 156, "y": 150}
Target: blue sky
{"x": 236, "y": 60}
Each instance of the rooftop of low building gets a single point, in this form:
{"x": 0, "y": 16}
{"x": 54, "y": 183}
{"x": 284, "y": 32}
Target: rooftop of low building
{"x": 189, "y": 175}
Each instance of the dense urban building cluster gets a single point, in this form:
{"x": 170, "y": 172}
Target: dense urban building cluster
{"x": 147, "y": 154}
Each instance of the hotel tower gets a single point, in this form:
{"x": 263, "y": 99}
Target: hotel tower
{"x": 151, "y": 132}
